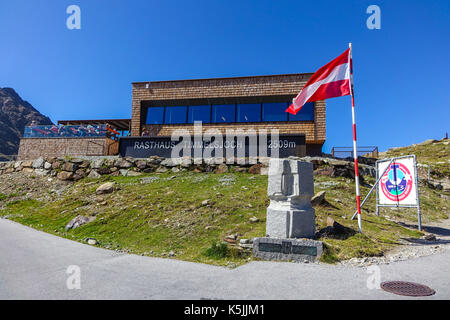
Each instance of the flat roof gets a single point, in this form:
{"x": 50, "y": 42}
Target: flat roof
{"x": 226, "y": 78}
{"x": 119, "y": 124}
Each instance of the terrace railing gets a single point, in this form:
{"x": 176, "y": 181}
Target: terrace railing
{"x": 80, "y": 131}
{"x": 347, "y": 152}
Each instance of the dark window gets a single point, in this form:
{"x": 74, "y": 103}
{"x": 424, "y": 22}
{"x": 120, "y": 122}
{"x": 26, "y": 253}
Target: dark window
{"x": 155, "y": 115}
{"x": 275, "y": 111}
{"x": 199, "y": 113}
{"x": 175, "y": 115}
{"x": 306, "y": 113}
{"x": 224, "y": 113}
{"x": 248, "y": 112}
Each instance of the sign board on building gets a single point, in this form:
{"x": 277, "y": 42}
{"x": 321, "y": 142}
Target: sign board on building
{"x": 238, "y": 146}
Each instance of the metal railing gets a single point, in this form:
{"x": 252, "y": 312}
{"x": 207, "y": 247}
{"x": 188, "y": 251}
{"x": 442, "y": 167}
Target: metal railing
{"x": 61, "y": 131}
{"x": 347, "y": 152}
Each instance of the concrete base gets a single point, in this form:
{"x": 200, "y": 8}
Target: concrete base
{"x": 279, "y": 224}
{"x": 287, "y": 249}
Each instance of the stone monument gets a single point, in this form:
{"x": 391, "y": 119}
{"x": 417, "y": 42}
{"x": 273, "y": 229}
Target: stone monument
{"x": 290, "y": 223}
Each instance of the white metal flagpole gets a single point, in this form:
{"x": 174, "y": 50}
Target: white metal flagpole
{"x": 355, "y": 154}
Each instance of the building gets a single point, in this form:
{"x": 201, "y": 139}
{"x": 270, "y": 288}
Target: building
{"x": 160, "y": 107}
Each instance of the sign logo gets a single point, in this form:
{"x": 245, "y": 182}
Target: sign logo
{"x": 396, "y": 184}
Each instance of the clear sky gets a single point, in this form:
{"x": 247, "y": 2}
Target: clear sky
{"x": 402, "y": 85}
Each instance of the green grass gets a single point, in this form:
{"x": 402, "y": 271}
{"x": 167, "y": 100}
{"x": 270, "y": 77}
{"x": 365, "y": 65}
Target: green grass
{"x": 167, "y": 215}
{"x": 436, "y": 155}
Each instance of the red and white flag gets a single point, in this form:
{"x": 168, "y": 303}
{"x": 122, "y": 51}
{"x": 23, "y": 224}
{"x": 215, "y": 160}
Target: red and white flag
{"x": 330, "y": 81}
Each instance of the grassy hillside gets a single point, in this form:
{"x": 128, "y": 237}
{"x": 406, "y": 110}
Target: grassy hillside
{"x": 188, "y": 215}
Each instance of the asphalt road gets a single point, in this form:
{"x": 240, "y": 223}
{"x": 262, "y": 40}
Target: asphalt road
{"x": 33, "y": 265}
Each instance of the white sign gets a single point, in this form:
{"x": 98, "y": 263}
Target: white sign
{"x": 398, "y": 185}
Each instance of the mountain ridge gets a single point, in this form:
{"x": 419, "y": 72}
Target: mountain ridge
{"x": 15, "y": 114}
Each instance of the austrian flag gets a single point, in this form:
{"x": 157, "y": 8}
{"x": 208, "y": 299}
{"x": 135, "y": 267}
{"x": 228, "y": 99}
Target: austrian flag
{"x": 330, "y": 81}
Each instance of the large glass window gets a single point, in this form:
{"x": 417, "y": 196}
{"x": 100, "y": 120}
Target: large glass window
{"x": 275, "y": 111}
{"x": 248, "y": 112}
{"x": 199, "y": 113}
{"x": 224, "y": 113}
{"x": 305, "y": 113}
{"x": 175, "y": 115}
{"x": 155, "y": 115}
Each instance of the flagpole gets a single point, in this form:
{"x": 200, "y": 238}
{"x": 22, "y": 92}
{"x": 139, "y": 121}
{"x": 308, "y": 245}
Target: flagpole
{"x": 355, "y": 154}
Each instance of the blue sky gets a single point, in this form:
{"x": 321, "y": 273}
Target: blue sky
{"x": 402, "y": 86}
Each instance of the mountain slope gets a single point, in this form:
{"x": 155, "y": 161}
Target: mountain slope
{"x": 15, "y": 114}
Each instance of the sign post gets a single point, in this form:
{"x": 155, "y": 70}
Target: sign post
{"x": 398, "y": 184}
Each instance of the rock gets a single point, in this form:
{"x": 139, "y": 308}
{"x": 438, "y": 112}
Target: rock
{"x": 205, "y": 202}
{"x": 171, "y": 254}
{"x": 94, "y": 175}
{"x": 47, "y": 165}
{"x": 78, "y": 221}
{"x": 123, "y": 163}
{"x": 27, "y": 164}
{"x": 175, "y": 169}
{"x": 319, "y": 198}
{"x": 169, "y": 163}
{"x": 41, "y": 172}
{"x": 38, "y": 163}
{"x": 96, "y": 163}
{"x": 132, "y": 173}
{"x": 222, "y": 168}
{"x": 149, "y": 179}
{"x": 56, "y": 165}
{"x": 254, "y": 219}
{"x": 70, "y": 167}
{"x": 104, "y": 170}
{"x": 335, "y": 230}
{"x": 92, "y": 241}
{"x": 124, "y": 172}
{"x": 430, "y": 237}
{"x": 105, "y": 188}
{"x": 141, "y": 164}
{"x": 255, "y": 169}
{"x": 161, "y": 169}
{"x": 244, "y": 241}
{"x": 64, "y": 175}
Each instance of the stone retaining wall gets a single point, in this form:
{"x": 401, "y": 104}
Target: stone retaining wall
{"x": 73, "y": 169}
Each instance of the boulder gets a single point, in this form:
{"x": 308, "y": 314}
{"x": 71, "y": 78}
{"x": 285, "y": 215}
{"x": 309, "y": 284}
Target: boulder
{"x": 123, "y": 163}
{"x": 47, "y": 165}
{"x": 169, "y": 162}
{"x": 27, "y": 164}
{"x": 94, "y": 175}
{"x": 96, "y": 163}
{"x": 38, "y": 163}
{"x": 105, "y": 188}
{"x": 69, "y": 167}
{"x": 141, "y": 164}
{"x": 318, "y": 198}
{"x": 78, "y": 221}
{"x": 222, "y": 168}
{"x": 64, "y": 175}
{"x": 41, "y": 172}
{"x": 255, "y": 169}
